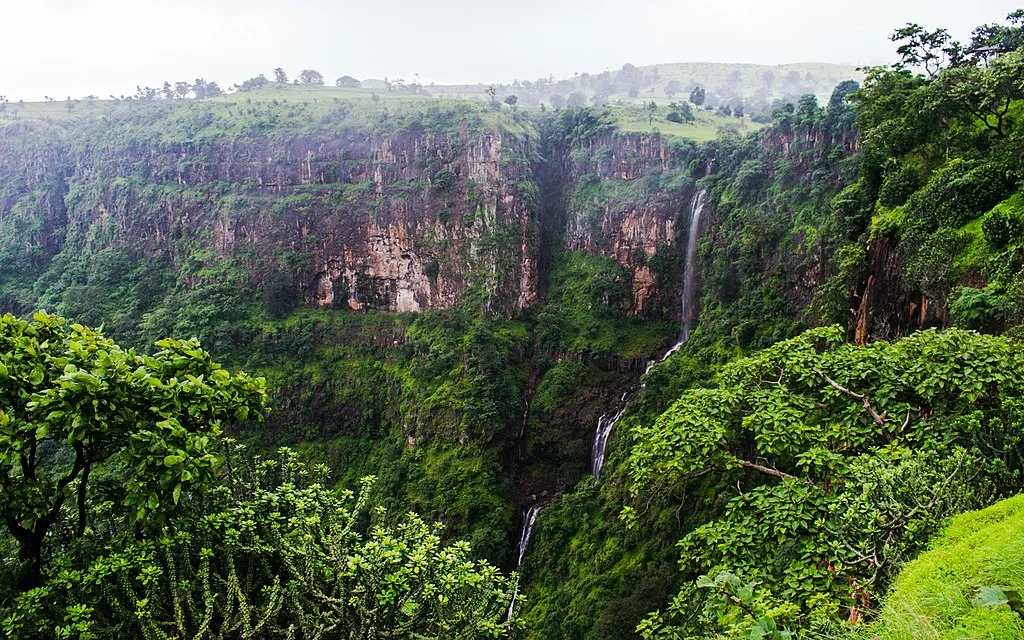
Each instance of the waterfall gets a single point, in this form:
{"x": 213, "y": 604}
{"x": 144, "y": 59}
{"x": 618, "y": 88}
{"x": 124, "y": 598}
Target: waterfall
{"x": 524, "y": 543}
{"x": 605, "y": 425}
{"x": 604, "y": 429}
{"x": 690, "y": 270}
{"x": 689, "y": 312}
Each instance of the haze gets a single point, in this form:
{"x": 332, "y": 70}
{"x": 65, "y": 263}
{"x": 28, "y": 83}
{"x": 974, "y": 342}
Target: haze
{"x": 74, "y": 48}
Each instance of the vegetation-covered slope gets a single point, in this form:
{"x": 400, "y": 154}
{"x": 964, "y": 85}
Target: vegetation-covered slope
{"x": 539, "y": 256}
{"x": 936, "y": 595}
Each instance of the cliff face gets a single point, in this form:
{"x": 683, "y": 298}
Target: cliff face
{"x": 885, "y": 309}
{"x": 412, "y": 218}
{"x": 628, "y": 201}
{"x": 404, "y": 221}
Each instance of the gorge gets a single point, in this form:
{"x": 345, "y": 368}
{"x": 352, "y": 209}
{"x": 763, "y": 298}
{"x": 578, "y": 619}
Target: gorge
{"x": 654, "y": 374}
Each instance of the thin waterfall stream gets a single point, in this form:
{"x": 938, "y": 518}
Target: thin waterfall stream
{"x": 524, "y": 543}
{"x": 689, "y": 316}
{"x": 605, "y": 424}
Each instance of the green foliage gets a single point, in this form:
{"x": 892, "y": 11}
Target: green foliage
{"x": 584, "y": 314}
{"x": 852, "y": 455}
{"x": 962, "y": 586}
{"x": 979, "y": 309}
{"x": 961, "y": 191}
{"x": 1004, "y": 226}
{"x": 899, "y": 183}
{"x": 270, "y": 552}
{"x": 72, "y": 403}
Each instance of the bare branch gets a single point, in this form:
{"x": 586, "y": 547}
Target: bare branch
{"x": 772, "y": 472}
{"x": 879, "y": 419}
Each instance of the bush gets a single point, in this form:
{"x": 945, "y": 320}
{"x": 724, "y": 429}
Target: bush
{"x": 899, "y": 183}
{"x": 1005, "y": 224}
{"x": 960, "y": 192}
{"x": 979, "y": 309}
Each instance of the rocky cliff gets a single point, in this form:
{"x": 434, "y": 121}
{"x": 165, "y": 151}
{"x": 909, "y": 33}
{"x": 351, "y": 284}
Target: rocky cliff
{"x": 627, "y": 200}
{"x": 400, "y": 221}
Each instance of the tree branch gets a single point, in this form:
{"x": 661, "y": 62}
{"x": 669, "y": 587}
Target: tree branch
{"x": 772, "y": 472}
{"x": 879, "y": 419}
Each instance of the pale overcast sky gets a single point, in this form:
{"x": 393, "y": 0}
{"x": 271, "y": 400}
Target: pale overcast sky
{"x": 81, "y": 47}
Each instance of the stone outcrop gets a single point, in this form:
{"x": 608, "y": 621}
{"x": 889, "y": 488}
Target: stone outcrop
{"x": 405, "y": 221}
{"x": 634, "y": 215}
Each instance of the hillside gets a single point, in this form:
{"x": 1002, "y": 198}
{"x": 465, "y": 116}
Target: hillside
{"x": 708, "y": 378}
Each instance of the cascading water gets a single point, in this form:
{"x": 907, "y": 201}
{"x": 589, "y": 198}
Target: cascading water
{"x": 604, "y": 424}
{"x": 604, "y": 429}
{"x": 690, "y": 270}
{"x": 524, "y": 543}
{"x": 689, "y": 312}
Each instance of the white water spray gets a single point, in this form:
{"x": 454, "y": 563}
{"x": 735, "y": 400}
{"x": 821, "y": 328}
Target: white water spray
{"x": 690, "y": 270}
{"x": 524, "y": 543}
{"x": 689, "y": 313}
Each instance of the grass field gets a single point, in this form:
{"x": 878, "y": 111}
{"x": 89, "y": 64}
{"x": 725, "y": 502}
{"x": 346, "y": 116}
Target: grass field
{"x": 933, "y": 597}
{"x": 302, "y": 107}
{"x": 707, "y": 125}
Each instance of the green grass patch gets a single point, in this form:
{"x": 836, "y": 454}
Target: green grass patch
{"x": 932, "y": 598}
{"x": 707, "y": 125}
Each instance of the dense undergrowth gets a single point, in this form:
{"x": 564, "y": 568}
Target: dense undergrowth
{"x": 768, "y": 478}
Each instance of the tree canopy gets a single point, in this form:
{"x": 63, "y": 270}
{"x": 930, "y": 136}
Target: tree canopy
{"x": 844, "y": 458}
{"x": 128, "y": 514}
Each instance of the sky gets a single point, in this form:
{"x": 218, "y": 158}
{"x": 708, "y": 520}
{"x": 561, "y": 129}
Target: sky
{"x": 75, "y": 48}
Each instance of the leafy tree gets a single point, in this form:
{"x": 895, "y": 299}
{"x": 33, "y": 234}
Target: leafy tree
{"x": 698, "y": 95}
{"x": 680, "y": 112}
{"x": 651, "y": 108}
{"x": 254, "y": 83}
{"x": 203, "y": 89}
{"x": 280, "y": 76}
{"x": 850, "y": 456}
{"x": 348, "y": 82}
{"x": 511, "y": 100}
{"x": 921, "y": 48}
{"x": 272, "y": 552}
{"x": 72, "y": 401}
{"x": 985, "y": 92}
{"x": 841, "y": 93}
{"x": 673, "y": 87}
{"x": 576, "y": 99}
{"x": 182, "y": 90}
{"x": 311, "y": 77}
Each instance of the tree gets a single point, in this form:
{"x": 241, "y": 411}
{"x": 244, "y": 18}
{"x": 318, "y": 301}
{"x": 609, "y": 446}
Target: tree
{"x": 348, "y": 82}
{"x": 651, "y": 108}
{"x": 846, "y": 457}
{"x": 511, "y": 100}
{"x": 182, "y": 90}
{"x": 680, "y": 112}
{"x": 311, "y": 77}
{"x": 920, "y": 48}
{"x": 697, "y": 95}
{"x": 71, "y": 401}
{"x": 673, "y": 87}
{"x": 576, "y": 99}
{"x": 204, "y": 90}
{"x": 254, "y": 83}
{"x": 280, "y": 76}
{"x": 842, "y": 92}
{"x": 272, "y": 552}
{"x": 985, "y": 92}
